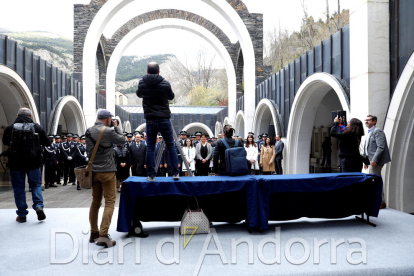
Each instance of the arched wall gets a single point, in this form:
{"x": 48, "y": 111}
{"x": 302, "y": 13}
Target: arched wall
{"x": 303, "y": 113}
{"x": 127, "y": 126}
{"x": 72, "y": 113}
{"x": 218, "y": 128}
{"x": 110, "y": 8}
{"x": 167, "y": 24}
{"x": 399, "y": 126}
{"x": 239, "y": 124}
{"x": 199, "y": 125}
{"x": 141, "y": 127}
{"x": 19, "y": 95}
{"x": 226, "y": 121}
{"x": 266, "y": 113}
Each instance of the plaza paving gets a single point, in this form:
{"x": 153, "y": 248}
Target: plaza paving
{"x": 27, "y": 248}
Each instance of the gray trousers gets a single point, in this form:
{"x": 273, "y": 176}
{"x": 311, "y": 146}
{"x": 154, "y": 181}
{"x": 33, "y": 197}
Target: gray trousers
{"x": 377, "y": 170}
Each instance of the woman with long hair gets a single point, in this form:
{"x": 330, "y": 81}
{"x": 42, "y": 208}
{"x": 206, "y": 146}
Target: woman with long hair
{"x": 349, "y": 141}
{"x": 267, "y": 157}
{"x": 251, "y": 155}
{"x": 204, "y": 153}
{"x": 189, "y": 156}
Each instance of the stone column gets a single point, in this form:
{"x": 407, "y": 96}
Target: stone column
{"x": 370, "y": 59}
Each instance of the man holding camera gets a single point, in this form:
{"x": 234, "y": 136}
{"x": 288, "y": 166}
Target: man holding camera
{"x": 24, "y": 138}
{"x": 103, "y": 174}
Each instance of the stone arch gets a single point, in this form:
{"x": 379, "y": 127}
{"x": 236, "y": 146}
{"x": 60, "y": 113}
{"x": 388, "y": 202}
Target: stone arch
{"x": 302, "y": 116}
{"x": 127, "y": 126}
{"x": 102, "y": 65}
{"x": 239, "y": 124}
{"x": 226, "y": 121}
{"x": 141, "y": 127}
{"x": 68, "y": 113}
{"x": 175, "y": 24}
{"x": 100, "y": 13}
{"x": 267, "y": 112}
{"x": 218, "y": 128}
{"x": 239, "y": 73}
{"x": 14, "y": 95}
{"x": 399, "y": 128}
{"x": 197, "y": 127}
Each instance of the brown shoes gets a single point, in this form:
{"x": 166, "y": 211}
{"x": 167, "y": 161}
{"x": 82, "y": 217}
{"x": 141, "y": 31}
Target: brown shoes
{"x": 383, "y": 206}
{"x": 94, "y": 237}
{"x": 21, "y": 219}
{"x": 105, "y": 240}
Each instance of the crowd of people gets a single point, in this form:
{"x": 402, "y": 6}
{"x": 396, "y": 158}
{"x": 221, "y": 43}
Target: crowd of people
{"x": 119, "y": 155}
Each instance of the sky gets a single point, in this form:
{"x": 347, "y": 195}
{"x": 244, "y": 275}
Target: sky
{"x": 56, "y": 16}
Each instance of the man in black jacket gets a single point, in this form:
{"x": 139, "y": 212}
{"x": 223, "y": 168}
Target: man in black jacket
{"x": 137, "y": 153}
{"x": 24, "y": 163}
{"x": 156, "y": 92}
{"x": 220, "y": 150}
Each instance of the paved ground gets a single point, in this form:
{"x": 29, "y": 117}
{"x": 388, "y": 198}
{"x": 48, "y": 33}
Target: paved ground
{"x": 60, "y": 197}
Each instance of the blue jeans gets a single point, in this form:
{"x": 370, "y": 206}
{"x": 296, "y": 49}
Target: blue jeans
{"x": 18, "y": 180}
{"x": 165, "y": 128}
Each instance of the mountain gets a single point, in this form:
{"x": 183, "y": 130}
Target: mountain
{"x": 58, "y": 51}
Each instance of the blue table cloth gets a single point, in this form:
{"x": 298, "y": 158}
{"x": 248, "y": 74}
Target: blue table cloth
{"x": 134, "y": 187}
{"x": 315, "y": 183}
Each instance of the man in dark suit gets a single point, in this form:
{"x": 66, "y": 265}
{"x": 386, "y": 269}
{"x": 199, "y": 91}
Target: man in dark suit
{"x": 376, "y": 148}
{"x": 137, "y": 155}
{"x": 279, "y": 146}
{"x": 69, "y": 166}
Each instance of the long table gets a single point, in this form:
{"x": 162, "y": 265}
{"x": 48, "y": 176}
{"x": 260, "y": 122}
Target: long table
{"x": 255, "y": 199}
{"x": 223, "y": 199}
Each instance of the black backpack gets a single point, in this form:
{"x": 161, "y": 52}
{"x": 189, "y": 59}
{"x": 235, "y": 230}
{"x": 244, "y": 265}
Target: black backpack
{"x": 24, "y": 141}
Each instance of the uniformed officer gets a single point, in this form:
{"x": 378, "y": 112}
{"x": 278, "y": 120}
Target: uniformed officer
{"x": 183, "y": 136}
{"x": 130, "y": 140}
{"x": 198, "y": 138}
{"x": 69, "y": 167}
{"x": 81, "y": 155}
{"x": 58, "y": 167}
{"x": 50, "y": 160}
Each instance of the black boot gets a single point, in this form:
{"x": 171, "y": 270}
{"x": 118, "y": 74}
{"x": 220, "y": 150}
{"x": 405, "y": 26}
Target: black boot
{"x": 78, "y": 188}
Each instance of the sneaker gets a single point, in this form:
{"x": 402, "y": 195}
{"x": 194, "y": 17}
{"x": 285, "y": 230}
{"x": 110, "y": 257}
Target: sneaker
{"x": 176, "y": 176}
{"x": 149, "y": 178}
{"x": 21, "y": 219}
{"x": 106, "y": 241}
{"x": 40, "y": 214}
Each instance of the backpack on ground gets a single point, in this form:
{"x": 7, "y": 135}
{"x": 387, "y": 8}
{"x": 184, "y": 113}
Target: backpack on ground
{"x": 24, "y": 141}
{"x": 236, "y": 163}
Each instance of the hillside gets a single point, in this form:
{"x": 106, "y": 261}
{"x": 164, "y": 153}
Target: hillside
{"x": 58, "y": 51}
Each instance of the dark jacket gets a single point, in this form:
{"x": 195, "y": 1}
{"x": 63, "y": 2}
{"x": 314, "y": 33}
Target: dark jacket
{"x": 220, "y": 153}
{"x": 279, "y": 150}
{"x": 348, "y": 143}
{"x": 137, "y": 158}
{"x": 155, "y": 92}
{"x": 50, "y": 156}
{"x": 18, "y": 163}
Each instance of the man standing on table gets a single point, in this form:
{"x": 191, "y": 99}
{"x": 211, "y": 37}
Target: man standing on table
{"x": 156, "y": 92}
{"x": 103, "y": 174}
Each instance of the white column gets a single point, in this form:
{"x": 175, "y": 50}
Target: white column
{"x": 370, "y": 59}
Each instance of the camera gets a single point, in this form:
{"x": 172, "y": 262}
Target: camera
{"x": 340, "y": 114}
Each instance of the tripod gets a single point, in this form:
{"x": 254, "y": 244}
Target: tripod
{"x": 180, "y": 150}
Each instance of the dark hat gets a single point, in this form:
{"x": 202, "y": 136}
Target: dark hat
{"x": 125, "y": 133}
{"x": 198, "y": 133}
{"x": 50, "y": 136}
{"x": 83, "y": 137}
{"x": 250, "y": 133}
{"x": 57, "y": 137}
{"x": 210, "y": 140}
{"x": 264, "y": 135}
{"x": 182, "y": 132}
{"x": 193, "y": 136}
{"x": 104, "y": 113}
{"x": 129, "y": 135}
{"x": 75, "y": 136}
{"x": 69, "y": 135}
{"x": 64, "y": 137}
{"x": 159, "y": 136}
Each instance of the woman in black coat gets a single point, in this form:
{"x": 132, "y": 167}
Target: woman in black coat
{"x": 122, "y": 164}
{"x": 349, "y": 141}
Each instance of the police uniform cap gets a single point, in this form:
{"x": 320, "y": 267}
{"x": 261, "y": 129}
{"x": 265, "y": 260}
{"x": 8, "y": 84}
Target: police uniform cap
{"x": 57, "y": 137}
{"x": 83, "y": 137}
{"x": 265, "y": 135}
{"x": 129, "y": 135}
{"x": 193, "y": 136}
{"x": 50, "y": 136}
{"x": 198, "y": 133}
{"x": 75, "y": 136}
{"x": 250, "y": 133}
{"x": 182, "y": 132}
